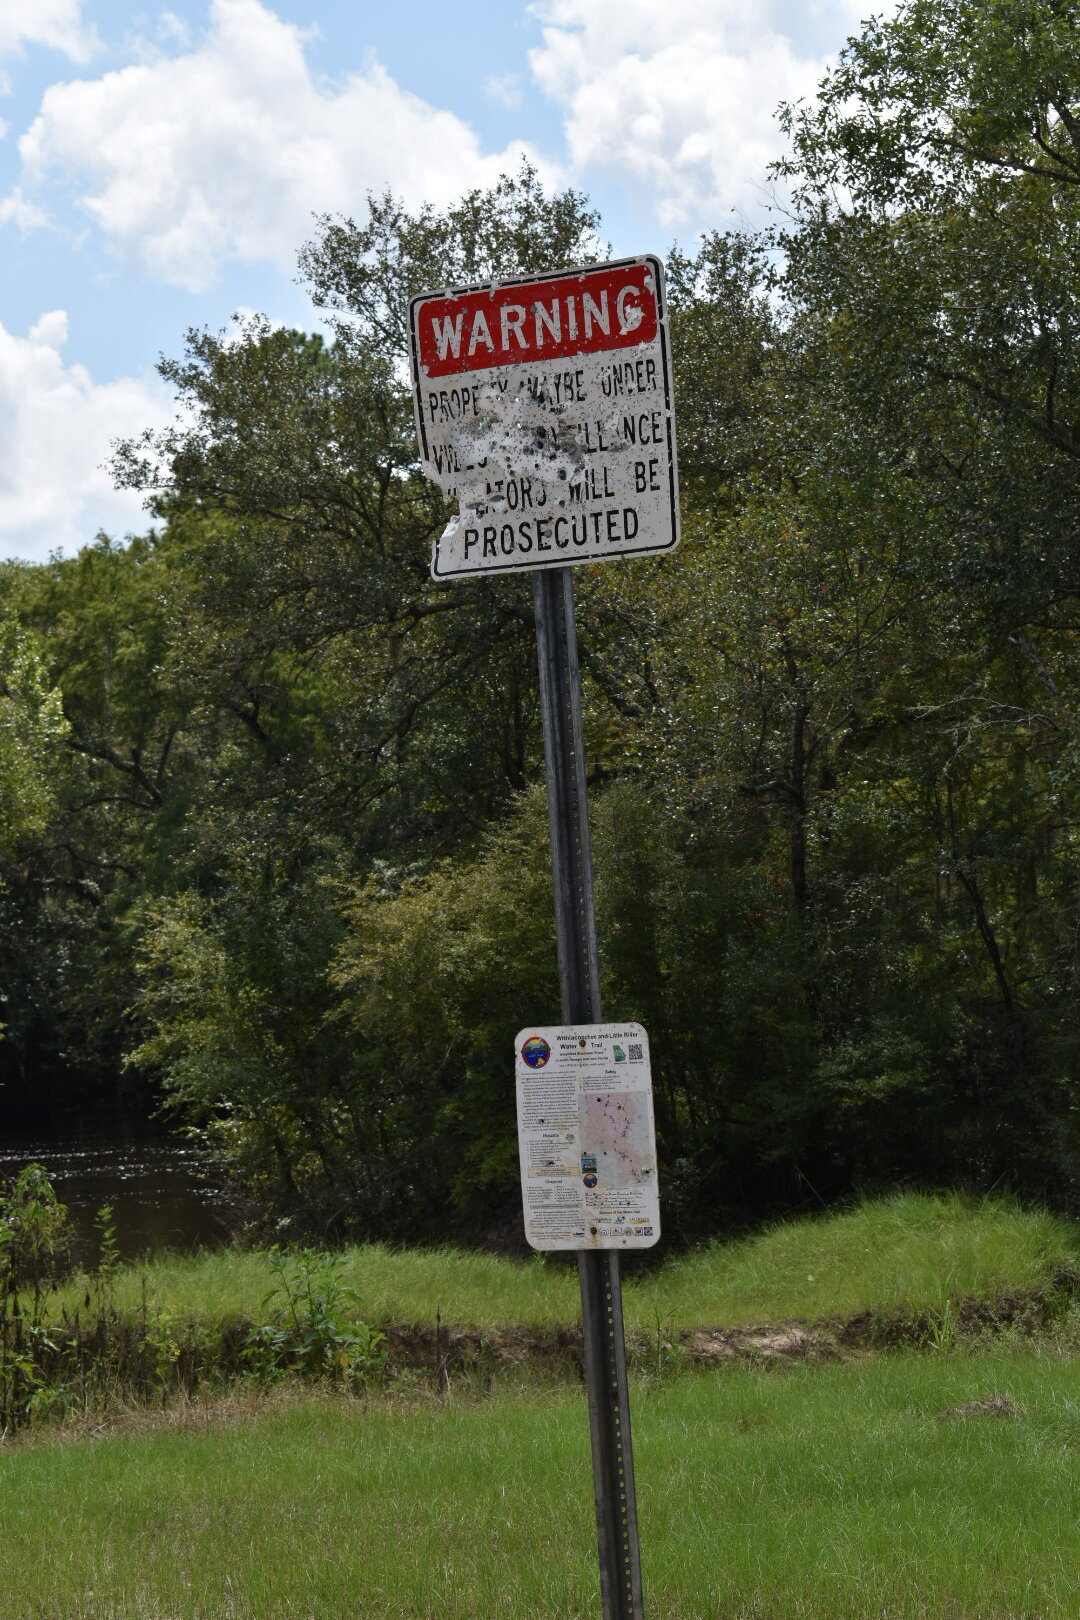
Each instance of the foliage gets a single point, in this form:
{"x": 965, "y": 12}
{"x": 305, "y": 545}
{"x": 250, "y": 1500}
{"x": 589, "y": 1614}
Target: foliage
{"x": 437, "y": 973}
{"x": 34, "y": 1257}
{"x": 313, "y": 1329}
{"x": 236, "y": 1020}
{"x": 32, "y": 728}
{"x": 291, "y": 866}
{"x": 35, "y": 1236}
{"x": 65, "y": 1351}
{"x": 312, "y": 619}
{"x": 369, "y": 272}
{"x": 940, "y": 98}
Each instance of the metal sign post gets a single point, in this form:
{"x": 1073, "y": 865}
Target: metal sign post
{"x": 579, "y": 985}
{"x": 544, "y": 409}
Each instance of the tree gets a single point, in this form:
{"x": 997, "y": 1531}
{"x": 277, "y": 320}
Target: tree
{"x": 32, "y": 729}
{"x": 348, "y": 693}
{"x": 832, "y": 740}
{"x": 934, "y": 259}
{"x": 298, "y": 512}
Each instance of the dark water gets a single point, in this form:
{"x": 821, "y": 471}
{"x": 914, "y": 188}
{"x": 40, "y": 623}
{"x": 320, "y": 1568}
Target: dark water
{"x": 161, "y": 1192}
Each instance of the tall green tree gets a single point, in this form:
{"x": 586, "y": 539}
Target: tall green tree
{"x": 32, "y": 729}
{"x": 934, "y": 267}
{"x": 369, "y": 721}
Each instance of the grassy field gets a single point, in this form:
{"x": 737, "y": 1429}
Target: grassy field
{"x": 905, "y": 1486}
{"x": 899, "y": 1488}
{"x": 912, "y": 1250}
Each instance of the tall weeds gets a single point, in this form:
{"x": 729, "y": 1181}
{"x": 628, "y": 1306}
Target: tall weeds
{"x": 94, "y": 1356}
{"x": 35, "y": 1254}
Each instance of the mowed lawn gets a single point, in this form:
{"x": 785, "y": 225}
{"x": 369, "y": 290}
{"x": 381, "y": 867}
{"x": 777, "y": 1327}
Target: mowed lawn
{"x": 908, "y": 1486}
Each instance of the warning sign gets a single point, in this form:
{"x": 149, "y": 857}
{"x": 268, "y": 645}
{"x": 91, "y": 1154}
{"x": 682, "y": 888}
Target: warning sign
{"x": 586, "y": 1137}
{"x": 544, "y": 407}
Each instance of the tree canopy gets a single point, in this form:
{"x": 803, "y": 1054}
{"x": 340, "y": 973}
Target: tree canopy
{"x": 288, "y": 862}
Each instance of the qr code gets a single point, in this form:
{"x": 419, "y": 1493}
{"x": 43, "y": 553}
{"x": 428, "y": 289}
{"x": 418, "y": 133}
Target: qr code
{"x": 636, "y": 1052}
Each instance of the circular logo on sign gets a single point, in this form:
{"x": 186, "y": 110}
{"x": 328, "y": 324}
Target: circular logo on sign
{"x": 590, "y": 1179}
{"x": 535, "y": 1051}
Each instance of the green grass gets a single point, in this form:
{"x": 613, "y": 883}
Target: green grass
{"x": 860, "y": 1491}
{"x": 828, "y": 1493}
{"x": 406, "y": 1286}
{"x": 910, "y": 1250}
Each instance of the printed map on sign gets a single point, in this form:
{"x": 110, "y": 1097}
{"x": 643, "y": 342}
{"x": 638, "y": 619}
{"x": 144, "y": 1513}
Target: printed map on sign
{"x": 543, "y": 407}
{"x": 616, "y": 1126}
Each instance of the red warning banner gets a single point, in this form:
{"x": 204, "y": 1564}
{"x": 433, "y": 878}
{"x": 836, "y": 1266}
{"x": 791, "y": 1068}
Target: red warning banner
{"x": 537, "y": 321}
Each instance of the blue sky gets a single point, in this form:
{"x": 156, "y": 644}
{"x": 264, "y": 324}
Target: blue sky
{"x": 160, "y": 167}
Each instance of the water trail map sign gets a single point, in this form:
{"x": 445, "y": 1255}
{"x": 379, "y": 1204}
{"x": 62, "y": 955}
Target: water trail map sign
{"x": 544, "y": 407}
{"x": 586, "y": 1137}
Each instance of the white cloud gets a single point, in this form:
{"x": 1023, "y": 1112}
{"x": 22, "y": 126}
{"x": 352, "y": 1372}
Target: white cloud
{"x": 50, "y": 330}
{"x": 15, "y": 209}
{"x": 679, "y": 99}
{"x": 56, "y": 429}
{"x": 174, "y": 28}
{"x": 225, "y": 151}
{"x": 54, "y": 23}
{"x": 503, "y": 89}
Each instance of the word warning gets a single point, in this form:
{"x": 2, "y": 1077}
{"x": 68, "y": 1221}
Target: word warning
{"x": 586, "y": 1137}
{"x": 544, "y": 407}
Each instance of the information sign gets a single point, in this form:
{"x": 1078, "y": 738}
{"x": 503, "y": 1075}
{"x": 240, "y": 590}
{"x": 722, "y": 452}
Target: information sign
{"x": 586, "y": 1137}
{"x": 544, "y": 407}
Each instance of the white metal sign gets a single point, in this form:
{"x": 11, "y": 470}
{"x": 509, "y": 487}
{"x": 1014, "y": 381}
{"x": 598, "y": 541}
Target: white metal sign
{"x": 544, "y": 406}
{"x": 586, "y": 1137}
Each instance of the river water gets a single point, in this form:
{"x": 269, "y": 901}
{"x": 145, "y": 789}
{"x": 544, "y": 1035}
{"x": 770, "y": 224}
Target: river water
{"x": 161, "y": 1192}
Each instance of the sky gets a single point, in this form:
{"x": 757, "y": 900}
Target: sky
{"x": 160, "y": 167}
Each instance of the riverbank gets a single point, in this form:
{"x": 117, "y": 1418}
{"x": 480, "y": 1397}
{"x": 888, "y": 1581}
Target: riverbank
{"x": 913, "y": 1270}
{"x": 912, "y": 1252}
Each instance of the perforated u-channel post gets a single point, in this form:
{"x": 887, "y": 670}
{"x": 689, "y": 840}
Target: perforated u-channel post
{"x": 579, "y": 984}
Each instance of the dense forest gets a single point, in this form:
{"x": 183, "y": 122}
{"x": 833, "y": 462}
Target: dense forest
{"x": 273, "y": 842}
